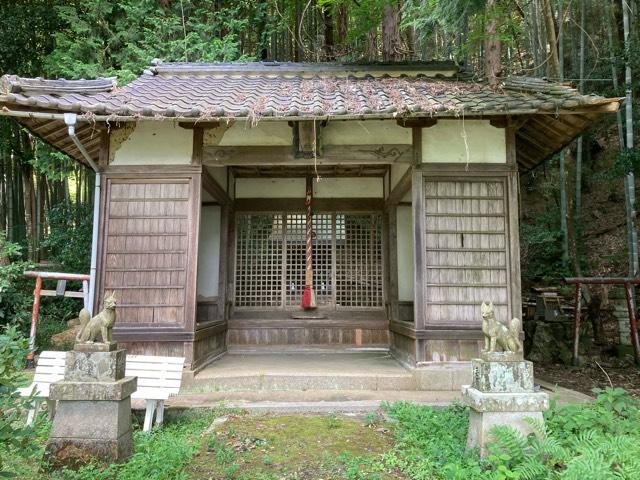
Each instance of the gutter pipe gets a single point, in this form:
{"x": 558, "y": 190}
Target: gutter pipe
{"x": 70, "y": 119}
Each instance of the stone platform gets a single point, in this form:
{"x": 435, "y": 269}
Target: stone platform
{"x": 93, "y": 416}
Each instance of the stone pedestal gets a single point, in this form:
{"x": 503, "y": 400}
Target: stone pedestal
{"x": 93, "y": 417}
{"x": 501, "y": 393}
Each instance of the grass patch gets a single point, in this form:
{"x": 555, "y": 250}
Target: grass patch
{"x": 599, "y": 440}
{"x": 292, "y": 447}
{"x": 160, "y": 455}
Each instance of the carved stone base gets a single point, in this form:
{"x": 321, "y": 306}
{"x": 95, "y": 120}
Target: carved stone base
{"x": 501, "y": 393}
{"x": 95, "y": 366}
{"x": 499, "y": 377}
{"x": 93, "y": 417}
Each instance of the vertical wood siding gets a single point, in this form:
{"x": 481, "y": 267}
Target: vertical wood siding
{"x": 149, "y": 249}
{"x": 466, "y": 248}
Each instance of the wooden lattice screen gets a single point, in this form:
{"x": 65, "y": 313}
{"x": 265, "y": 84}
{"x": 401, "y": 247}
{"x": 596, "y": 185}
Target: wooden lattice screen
{"x": 467, "y": 249}
{"x": 347, "y": 254}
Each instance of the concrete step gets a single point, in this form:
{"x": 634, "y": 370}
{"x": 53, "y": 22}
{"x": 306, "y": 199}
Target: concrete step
{"x": 299, "y": 382}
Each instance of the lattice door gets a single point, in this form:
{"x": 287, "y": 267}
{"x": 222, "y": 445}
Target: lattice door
{"x": 347, "y": 256}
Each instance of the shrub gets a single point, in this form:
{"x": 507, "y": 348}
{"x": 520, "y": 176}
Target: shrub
{"x": 69, "y": 239}
{"x": 15, "y": 289}
{"x": 15, "y": 437}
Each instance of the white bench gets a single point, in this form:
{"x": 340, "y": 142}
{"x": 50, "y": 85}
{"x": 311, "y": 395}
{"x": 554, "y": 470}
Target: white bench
{"x": 50, "y": 368}
{"x": 158, "y": 379}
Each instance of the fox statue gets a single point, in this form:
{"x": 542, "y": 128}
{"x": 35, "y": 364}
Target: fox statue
{"x": 102, "y": 323}
{"x": 507, "y": 338}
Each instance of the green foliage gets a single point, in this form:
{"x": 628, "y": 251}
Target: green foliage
{"x": 107, "y": 38}
{"x": 69, "y": 239}
{"x": 627, "y": 160}
{"x": 15, "y": 295}
{"x": 541, "y": 243}
{"x": 161, "y": 455}
{"x": 15, "y": 437}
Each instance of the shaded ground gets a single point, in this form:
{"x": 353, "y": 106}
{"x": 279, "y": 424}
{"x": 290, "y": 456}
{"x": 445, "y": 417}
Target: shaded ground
{"x": 290, "y": 447}
{"x": 589, "y": 376}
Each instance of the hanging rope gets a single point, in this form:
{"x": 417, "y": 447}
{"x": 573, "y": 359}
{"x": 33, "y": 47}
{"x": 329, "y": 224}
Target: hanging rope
{"x": 309, "y": 295}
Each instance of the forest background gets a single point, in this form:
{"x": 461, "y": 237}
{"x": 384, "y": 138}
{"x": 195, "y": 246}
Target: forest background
{"x": 573, "y": 219}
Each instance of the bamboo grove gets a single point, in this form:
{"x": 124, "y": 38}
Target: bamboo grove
{"x": 592, "y": 43}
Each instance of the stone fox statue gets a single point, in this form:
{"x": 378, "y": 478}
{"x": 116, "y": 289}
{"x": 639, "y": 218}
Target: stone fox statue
{"x": 507, "y": 338}
{"x": 102, "y": 323}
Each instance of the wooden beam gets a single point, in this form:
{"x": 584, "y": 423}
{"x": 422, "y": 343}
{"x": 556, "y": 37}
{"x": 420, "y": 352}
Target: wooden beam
{"x": 401, "y": 189}
{"x": 331, "y": 155}
{"x": 298, "y": 205}
{"x": 201, "y": 125}
{"x": 214, "y": 189}
{"x": 425, "y": 122}
{"x": 196, "y": 152}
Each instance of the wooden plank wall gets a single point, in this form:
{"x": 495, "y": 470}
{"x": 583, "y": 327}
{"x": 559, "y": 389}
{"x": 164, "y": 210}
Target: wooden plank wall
{"x": 469, "y": 253}
{"x": 148, "y": 256}
{"x": 466, "y": 249}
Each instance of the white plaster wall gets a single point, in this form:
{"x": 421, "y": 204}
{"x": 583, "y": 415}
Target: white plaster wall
{"x": 364, "y": 187}
{"x": 445, "y": 142}
{"x": 404, "y": 220}
{"x": 154, "y": 143}
{"x": 209, "y": 252}
{"x": 242, "y": 133}
{"x": 270, "y": 187}
{"x": 376, "y": 132}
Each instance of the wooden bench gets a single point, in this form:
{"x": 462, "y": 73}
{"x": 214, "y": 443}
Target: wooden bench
{"x": 50, "y": 369}
{"x": 158, "y": 379}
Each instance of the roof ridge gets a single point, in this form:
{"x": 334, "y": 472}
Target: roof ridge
{"x": 35, "y": 86}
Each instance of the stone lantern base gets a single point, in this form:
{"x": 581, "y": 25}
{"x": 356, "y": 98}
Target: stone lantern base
{"x": 501, "y": 394}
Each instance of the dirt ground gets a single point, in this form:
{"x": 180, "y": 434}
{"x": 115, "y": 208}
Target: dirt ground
{"x": 592, "y": 375}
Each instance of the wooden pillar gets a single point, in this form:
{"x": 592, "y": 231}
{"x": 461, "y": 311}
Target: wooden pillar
{"x": 513, "y": 217}
{"x": 223, "y": 267}
{"x": 392, "y": 262}
{"x": 419, "y": 247}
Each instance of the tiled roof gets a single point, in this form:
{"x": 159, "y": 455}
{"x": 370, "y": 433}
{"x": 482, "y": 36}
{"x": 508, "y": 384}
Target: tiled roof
{"x": 257, "y": 91}
{"x": 549, "y": 114}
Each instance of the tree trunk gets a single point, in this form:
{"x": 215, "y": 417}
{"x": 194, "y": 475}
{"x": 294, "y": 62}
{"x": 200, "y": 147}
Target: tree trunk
{"x": 492, "y": 46}
{"x": 554, "y": 63}
{"x": 297, "y": 41}
{"x": 608, "y": 20}
{"x": 630, "y": 190}
{"x": 372, "y": 44}
{"x": 391, "y": 38}
{"x": 579, "y": 151}
{"x": 563, "y": 180}
{"x": 329, "y": 40}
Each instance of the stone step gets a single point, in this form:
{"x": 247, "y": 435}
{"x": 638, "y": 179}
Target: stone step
{"x": 299, "y": 382}
{"x": 309, "y": 401}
